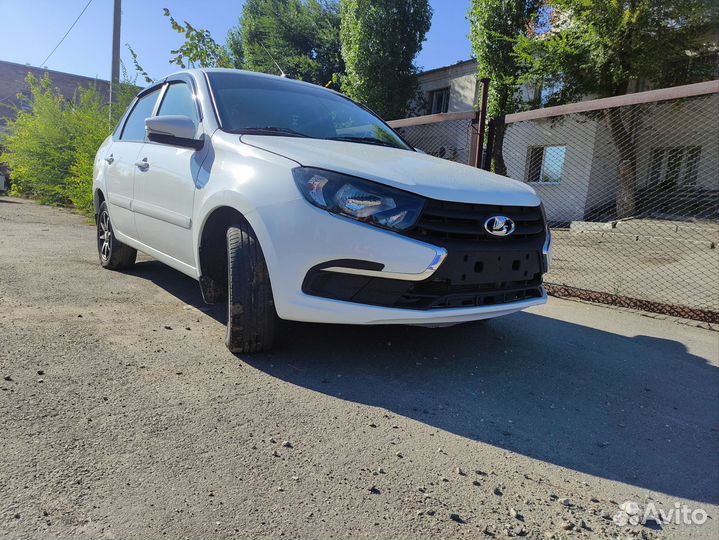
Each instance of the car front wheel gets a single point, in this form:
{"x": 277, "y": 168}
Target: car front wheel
{"x": 251, "y": 315}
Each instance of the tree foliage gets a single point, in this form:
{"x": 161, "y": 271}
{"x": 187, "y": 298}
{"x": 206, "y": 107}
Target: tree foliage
{"x": 380, "y": 40}
{"x": 302, "y": 39}
{"x": 599, "y": 48}
{"x": 51, "y": 144}
{"x": 199, "y": 49}
{"x": 496, "y": 25}
{"x": 302, "y": 36}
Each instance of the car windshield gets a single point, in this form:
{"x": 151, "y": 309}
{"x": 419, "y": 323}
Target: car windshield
{"x": 258, "y": 105}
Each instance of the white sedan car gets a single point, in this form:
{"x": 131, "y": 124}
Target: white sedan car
{"x": 288, "y": 200}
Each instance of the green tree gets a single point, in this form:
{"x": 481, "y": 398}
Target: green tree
{"x": 302, "y": 36}
{"x": 599, "y": 48}
{"x": 495, "y": 27}
{"x": 198, "y": 50}
{"x": 380, "y": 40}
{"x": 38, "y": 147}
{"x": 90, "y": 121}
{"x": 51, "y": 144}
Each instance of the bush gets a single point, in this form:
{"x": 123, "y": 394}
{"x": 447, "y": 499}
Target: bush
{"x": 51, "y": 146}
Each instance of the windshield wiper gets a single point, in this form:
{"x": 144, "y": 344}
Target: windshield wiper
{"x": 270, "y": 130}
{"x": 364, "y": 140}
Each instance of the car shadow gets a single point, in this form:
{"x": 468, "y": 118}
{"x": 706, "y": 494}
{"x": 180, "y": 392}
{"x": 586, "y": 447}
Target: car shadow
{"x": 640, "y": 410}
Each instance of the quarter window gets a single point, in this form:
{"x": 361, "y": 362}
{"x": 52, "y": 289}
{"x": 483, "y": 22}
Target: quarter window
{"x": 178, "y": 99}
{"x": 134, "y": 129}
{"x": 546, "y": 164}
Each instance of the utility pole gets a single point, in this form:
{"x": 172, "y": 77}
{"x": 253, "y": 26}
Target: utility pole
{"x": 115, "y": 68}
{"x": 115, "y": 78}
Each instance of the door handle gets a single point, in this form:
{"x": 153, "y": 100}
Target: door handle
{"x": 142, "y": 165}
{"x": 109, "y": 159}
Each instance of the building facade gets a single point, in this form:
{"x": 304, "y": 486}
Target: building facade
{"x": 449, "y": 89}
{"x": 574, "y": 160}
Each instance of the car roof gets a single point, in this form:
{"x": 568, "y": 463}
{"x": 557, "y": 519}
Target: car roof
{"x": 248, "y": 74}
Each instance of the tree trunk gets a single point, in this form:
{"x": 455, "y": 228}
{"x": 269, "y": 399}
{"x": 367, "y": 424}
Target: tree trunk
{"x": 497, "y": 154}
{"x": 623, "y": 140}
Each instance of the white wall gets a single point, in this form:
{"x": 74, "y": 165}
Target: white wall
{"x": 564, "y": 201}
{"x": 688, "y": 122}
{"x": 461, "y": 80}
{"x": 591, "y": 167}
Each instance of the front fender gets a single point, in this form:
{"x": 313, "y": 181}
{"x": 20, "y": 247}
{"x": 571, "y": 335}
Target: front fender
{"x": 244, "y": 206}
{"x": 243, "y": 178}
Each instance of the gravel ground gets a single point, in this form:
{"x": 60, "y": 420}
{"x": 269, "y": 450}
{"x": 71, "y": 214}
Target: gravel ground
{"x": 123, "y": 415}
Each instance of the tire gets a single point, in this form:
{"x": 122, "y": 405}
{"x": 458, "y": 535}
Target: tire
{"x": 114, "y": 255}
{"x": 251, "y": 316}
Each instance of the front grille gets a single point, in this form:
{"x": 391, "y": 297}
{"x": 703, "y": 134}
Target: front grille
{"x": 465, "y": 279}
{"x": 443, "y": 220}
{"x": 480, "y": 269}
{"x": 438, "y": 295}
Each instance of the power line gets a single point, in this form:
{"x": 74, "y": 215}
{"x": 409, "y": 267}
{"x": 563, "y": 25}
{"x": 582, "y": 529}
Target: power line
{"x": 66, "y": 33}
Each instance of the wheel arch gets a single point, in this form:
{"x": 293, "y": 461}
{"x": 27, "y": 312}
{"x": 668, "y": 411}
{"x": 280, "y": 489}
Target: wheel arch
{"x": 212, "y": 251}
{"x": 98, "y": 199}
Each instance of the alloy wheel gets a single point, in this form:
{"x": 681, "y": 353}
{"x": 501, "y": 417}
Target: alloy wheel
{"x": 104, "y": 236}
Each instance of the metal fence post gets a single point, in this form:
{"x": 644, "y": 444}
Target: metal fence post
{"x": 487, "y": 161}
{"x": 482, "y": 121}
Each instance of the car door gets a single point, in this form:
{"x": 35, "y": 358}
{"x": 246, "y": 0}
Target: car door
{"x": 121, "y": 158}
{"x": 165, "y": 184}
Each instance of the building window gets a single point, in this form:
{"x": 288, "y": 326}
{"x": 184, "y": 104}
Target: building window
{"x": 439, "y": 101}
{"x": 545, "y": 163}
{"x": 674, "y": 165}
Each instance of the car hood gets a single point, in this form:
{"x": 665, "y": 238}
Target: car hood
{"x": 412, "y": 171}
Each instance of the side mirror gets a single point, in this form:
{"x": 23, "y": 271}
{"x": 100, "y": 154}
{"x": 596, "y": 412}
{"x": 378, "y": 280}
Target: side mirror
{"x": 175, "y": 130}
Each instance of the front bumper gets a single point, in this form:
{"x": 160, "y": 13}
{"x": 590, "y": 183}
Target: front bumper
{"x": 323, "y": 310}
{"x": 301, "y": 241}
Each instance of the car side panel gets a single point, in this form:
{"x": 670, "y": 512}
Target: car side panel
{"x": 119, "y": 185}
{"x": 164, "y": 195}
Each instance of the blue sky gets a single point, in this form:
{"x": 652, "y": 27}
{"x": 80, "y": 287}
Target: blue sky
{"x": 31, "y": 28}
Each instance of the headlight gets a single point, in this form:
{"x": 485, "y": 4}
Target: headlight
{"x": 359, "y": 199}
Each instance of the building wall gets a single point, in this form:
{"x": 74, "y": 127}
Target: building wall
{"x": 564, "y": 201}
{"x": 12, "y": 82}
{"x": 452, "y": 139}
{"x": 588, "y": 188}
{"x": 461, "y": 79}
{"x": 684, "y": 123}
{"x": 604, "y": 175}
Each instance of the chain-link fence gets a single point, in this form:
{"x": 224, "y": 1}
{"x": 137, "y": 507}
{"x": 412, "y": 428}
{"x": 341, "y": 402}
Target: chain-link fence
{"x": 449, "y": 136}
{"x": 630, "y": 186}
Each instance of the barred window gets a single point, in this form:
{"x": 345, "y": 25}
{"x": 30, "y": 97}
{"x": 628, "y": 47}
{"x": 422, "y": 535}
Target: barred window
{"x": 545, "y": 164}
{"x": 674, "y": 165}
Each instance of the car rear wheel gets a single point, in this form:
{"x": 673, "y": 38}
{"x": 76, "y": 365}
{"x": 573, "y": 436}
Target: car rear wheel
{"x": 114, "y": 255}
{"x": 251, "y": 315}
